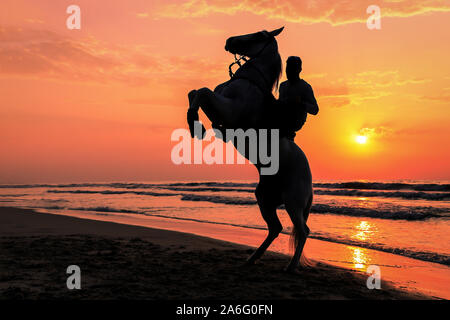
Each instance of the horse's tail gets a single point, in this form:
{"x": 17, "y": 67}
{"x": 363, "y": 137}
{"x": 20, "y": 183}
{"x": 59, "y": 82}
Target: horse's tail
{"x": 296, "y": 234}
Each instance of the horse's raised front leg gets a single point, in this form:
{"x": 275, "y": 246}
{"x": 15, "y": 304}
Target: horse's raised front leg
{"x": 192, "y": 116}
{"x": 217, "y": 108}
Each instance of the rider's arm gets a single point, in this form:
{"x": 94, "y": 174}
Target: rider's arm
{"x": 310, "y": 103}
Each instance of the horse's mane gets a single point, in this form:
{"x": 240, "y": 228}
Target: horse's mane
{"x": 276, "y": 70}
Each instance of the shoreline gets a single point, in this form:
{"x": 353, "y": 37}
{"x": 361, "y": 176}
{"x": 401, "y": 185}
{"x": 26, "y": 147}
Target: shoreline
{"x": 133, "y": 262}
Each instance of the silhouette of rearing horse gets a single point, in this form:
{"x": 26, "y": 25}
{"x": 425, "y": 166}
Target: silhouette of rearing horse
{"x": 241, "y": 103}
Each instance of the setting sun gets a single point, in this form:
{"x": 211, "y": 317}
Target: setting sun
{"x": 361, "y": 139}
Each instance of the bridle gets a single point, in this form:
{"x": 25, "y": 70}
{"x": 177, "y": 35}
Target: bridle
{"x": 238, "y": 62}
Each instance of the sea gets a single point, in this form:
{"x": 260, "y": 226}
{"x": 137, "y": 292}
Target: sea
{"x": 405, "y": 218}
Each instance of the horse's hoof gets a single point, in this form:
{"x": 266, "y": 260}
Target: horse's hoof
{"x": 200, "y": 131}
{"x": 291, "y": 270}
{"x": 249, "y": 262}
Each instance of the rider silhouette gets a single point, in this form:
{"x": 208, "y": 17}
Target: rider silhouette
{"x": 296, "y": 99}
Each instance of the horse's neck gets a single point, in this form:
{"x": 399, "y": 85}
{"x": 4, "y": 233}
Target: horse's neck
{"x": 258, "y": 70}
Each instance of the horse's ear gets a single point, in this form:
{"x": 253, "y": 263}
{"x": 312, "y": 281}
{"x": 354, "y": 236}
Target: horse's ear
{"x": 276, "y": 32}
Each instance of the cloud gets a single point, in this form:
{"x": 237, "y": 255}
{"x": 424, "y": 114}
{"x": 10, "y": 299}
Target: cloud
{"x": 331, "y": 91}
{"x": 142, "y": 15}
{"x": 332, "y": 96}
{"x": 343, "y": 93}
{"x": 378, "y": 132}
{"x": 41, "y": 52}
{"x": 445, "y": 97}
{"x": 11, "y": 34}
{"x": 356, "y": 90}
{"x": 44, "y": 54}
{"x": 383, "y": 79}
{"x": 334, "y": 101}
{"x": 306, "y": 11}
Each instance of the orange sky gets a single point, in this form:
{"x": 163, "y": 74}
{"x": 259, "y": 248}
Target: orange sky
{"x": 100, "y": 103}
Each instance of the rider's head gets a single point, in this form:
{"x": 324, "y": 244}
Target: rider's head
{"x": 293, "y": 67}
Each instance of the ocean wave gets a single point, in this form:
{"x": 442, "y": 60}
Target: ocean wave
{"x": 394, "y": 213}
{"x": 385, "y": 186}
{"x": 442, "y": 187}
{"x": 144, "y": 193}
{"x": 214, "y": 184}
{"x": 439, "y": 196}
{"x": 412, "y": 195}
{"x": 27, "y": 186}
{"x": 419, "y": 255}
{"x": 243, "y": 188}
{"x": 105, "y": 209}
{"x": 129, "y": 185}
{"x": 218, "y": 199}
{"x": 208, "y": 189}
{"x": 402, "y": 213}
{"x": 360, "y": 185}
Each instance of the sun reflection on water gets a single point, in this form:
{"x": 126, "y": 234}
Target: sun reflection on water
{"x": 359, "y": 258}
{"x": 363, "y": 231}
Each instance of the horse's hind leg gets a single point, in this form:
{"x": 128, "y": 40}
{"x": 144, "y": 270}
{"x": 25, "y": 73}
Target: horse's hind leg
{"x": 298, "y": 212}
{"x": 269, "y": 213}
{"x": 216, "y": 107}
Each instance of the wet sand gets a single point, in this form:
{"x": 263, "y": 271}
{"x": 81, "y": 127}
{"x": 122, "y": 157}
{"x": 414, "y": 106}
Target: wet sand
{"x": 120, "y": 261}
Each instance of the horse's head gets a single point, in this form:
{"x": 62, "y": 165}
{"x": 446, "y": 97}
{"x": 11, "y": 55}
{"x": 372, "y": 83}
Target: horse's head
{"x": 251, "y": 45}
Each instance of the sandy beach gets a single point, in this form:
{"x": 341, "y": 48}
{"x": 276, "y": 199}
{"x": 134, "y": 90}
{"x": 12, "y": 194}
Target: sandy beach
{"x": 130, "y": 262}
